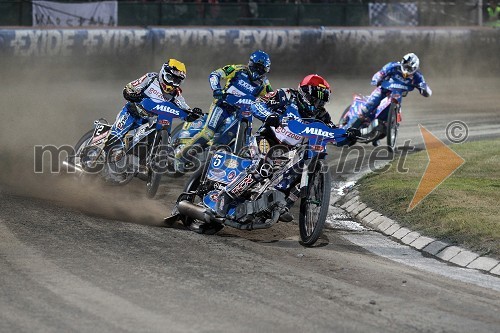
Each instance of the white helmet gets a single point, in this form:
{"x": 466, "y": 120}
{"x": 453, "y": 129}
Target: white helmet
{"x": 409, "y": 64}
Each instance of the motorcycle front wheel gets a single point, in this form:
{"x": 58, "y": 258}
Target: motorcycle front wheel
{"x": 392, "y": 128}
{"x": 193, "y": 185}
{"x": 314, "y": 207}
{"x": 240, "y": 141}
{"x": 158, "y": 165}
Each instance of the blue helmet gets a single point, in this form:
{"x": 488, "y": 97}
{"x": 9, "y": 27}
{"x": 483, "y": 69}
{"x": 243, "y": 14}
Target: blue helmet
{"x": 259, "y": 64}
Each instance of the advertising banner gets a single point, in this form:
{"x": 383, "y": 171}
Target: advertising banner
{"x": 56, "y": 14}
{"x": 393, "y": 14}
{"x": 341, "y": 50}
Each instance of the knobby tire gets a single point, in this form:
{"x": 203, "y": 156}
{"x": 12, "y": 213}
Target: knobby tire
{"x": 392, "y": 128}
{"x": 154, "y": 177}
{"x": 318, "y": 197}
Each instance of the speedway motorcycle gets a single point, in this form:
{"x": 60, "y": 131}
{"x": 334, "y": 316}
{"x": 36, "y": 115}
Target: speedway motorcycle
{"x": 234, "y": 133}
{"x": 300, "y": 172}
{"x": 143, "y": 152}
{"x": 384, "y": 123}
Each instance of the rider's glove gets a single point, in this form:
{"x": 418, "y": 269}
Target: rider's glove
{"x": 273, "y": 120}
{"x": 352, "y": 135}
{"x": 194, "y": 114}
{"x": 131, "y": 96}
{"x": 424, "y": 90}
{"x": 218, "y": 93}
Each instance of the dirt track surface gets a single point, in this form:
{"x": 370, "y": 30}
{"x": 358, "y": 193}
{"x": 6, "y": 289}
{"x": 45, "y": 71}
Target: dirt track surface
{"x": 95, "y": 258}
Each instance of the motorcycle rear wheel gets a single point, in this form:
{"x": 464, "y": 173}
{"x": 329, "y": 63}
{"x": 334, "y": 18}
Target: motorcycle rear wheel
{"x": 173, "y": 171}
{"x": 115, "y": 170}
{"x": 314, "y": 207}
{"x": 82, "y": 143}
{"x": 83, "y": 173}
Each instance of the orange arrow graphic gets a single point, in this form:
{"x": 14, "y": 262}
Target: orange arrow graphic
{"x": 443, "y": 162}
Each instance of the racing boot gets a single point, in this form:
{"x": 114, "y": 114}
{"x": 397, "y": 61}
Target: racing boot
{"x": 286, "y": 217}
{"x": 205, "y": 228}
{"x": 290, "y": 200}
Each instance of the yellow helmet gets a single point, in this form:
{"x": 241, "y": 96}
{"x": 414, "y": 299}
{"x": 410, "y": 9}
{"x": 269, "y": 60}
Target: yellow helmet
{"x": 171, "y": 75}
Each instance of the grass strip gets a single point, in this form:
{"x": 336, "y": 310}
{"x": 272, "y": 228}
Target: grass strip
{"x": 463, "y": 210}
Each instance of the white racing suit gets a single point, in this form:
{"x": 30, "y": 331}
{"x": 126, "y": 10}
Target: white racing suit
{"x": 133, "y": 115}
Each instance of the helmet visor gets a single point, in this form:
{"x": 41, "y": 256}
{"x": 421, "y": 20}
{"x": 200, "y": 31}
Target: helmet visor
{"x": 408, "y": 68}
{"x": 260, "y": 69}
{"x": 320, "y": 96}
{"x": 319, "y": 103}
{"x": 172, "y": 79}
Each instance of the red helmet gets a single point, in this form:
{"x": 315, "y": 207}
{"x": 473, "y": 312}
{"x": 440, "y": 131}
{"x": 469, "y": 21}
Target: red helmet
{"x": 314, "y": 92}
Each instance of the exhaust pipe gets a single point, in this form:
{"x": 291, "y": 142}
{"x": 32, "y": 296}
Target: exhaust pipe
{"x": 194, "y": 211}
{"x": 72, "y": 167}
{"x": 189, "y": 209}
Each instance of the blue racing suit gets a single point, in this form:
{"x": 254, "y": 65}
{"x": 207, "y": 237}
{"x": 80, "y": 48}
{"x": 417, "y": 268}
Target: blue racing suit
{"x": 392, "y": 73}
{"x": 238, "y": 83}
{"x": 281, "y": 103}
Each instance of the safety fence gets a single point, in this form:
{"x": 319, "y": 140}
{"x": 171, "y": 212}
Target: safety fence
{"x": 263, "y": 13}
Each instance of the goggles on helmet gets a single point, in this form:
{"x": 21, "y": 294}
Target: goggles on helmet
{"x": 174, "y": 80}
{"x": 260, "y": 69}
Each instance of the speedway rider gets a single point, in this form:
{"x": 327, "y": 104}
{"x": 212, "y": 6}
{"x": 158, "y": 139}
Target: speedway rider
{"x": 405, "y": 73}
{"x": 309, "y": 100}
{"x": 162, "y": 86}
{"x": 240, "y": 80}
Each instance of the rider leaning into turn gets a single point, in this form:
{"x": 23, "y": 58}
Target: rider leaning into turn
{"x": 240, "y": 80}
{"x": 163, "y": 86}
{"x": 405, "y": 73}
{"x": 309, "y": 100}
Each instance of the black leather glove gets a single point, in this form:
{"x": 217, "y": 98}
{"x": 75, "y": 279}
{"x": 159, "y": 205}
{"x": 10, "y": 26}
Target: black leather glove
{"x": 194, "y": 114}
{"x": 134, "y": 98}
{"x": 273, "y": 120}
{"x": 352, "y": 135}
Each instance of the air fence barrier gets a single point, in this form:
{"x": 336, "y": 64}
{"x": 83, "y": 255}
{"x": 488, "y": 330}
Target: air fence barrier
{"x": 299, "y": 50}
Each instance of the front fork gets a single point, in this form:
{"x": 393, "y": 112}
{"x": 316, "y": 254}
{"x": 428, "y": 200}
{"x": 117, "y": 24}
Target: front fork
{"x": 153, "y": 149}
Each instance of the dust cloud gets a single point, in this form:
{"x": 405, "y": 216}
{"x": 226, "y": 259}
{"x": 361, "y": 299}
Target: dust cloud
{"x": 49, "y": 105}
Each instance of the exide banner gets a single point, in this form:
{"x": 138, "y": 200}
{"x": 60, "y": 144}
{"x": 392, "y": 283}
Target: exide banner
{"x": 49, "y": 42}
{"x": 90, "y": 14}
